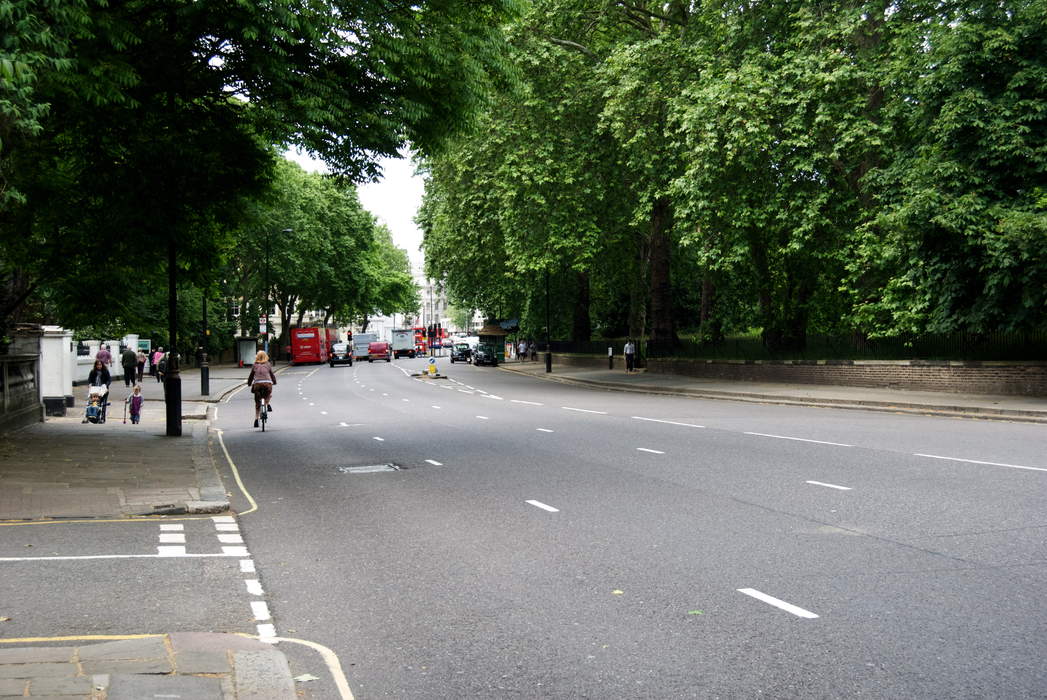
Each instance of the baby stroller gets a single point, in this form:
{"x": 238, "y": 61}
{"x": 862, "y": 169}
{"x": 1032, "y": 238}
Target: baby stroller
{"x": 97, "y": 401}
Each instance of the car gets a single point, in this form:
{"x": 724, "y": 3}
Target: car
{"x": 485, "y": 354}
{"x": 378, "y": 351}
{"x": 341, "y": 354}
{"x": 461, "y": 352}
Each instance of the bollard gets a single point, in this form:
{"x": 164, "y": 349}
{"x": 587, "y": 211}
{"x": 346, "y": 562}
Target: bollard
{"x": 610, "y": 358}
{"x": 173, "y": 396}
{"x": 548, "y": 362}
{"x": 205, "y": 376}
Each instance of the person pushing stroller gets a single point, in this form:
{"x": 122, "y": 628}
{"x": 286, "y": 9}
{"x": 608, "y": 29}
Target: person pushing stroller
{"x": 98, "y": 381}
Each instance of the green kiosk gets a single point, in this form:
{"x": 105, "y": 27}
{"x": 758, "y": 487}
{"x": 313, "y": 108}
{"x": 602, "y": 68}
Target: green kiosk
{"x": 494, "y": 335}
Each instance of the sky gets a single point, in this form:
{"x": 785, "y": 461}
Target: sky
{"x": 394, "y": 200}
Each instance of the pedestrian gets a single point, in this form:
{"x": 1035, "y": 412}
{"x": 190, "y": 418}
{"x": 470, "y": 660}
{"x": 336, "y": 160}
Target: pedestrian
{"x": 630, "y": 355}
{"x": 105, "y": 356}
{"x": 155, "y": 367}
{"x": 141, "y": 365}
{"x": 522, "y": 355}
{"x": 99, "y": 375}
{"x": 534, "y": 351}
{"x": 135, "y": 401}
{"x": 161, "y": 369}
{"x": 129, "y": 361}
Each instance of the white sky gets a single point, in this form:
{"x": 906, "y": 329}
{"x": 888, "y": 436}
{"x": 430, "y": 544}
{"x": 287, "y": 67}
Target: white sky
{"x": 394, "y": 200}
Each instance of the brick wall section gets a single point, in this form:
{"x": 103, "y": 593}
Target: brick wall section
{"x": 1013, "y": 379}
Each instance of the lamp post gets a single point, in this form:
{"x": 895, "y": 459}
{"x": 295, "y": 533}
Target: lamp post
{"x": 205, "y": 372}
{"x": 267, "y": 289}
{"x": 548, "y": 343}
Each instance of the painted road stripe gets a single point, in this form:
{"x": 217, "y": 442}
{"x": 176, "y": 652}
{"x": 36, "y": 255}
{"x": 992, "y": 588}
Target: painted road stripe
{"x": 254, "y": 586}
{"x": 654, "y": 452}
{"x": 260, "y": 610}
{"x": 232, "y": 551}
{"x": 529, "y": 403}
{"x": 224, "y": 519}
{"x": 831, "y": 486}
{"x": 436, "y": 407}
{"x": 787, "y": 607}
{"x": 266, "y": 633}
{"x": 975, "y": 461}
{"x": 172, "y": 528}
{"x": 543, "y": 430}
{"x": 668, "y": 422}
{"x": 539, "y": 504}
{"x": 379, "y": 439}
{"x": 465, "y": 392}
{"x": 343, "y": 424}
{"x": 786, "y": 437}
{"x": 434, "y": 462}
{"x": 172, "y": 538}
{"x": 231, "y": 538}
{"x": 492, "y": 396}
{"x": 227, "y": 527}
{"x": 171, "y": 551}
{"x": 583, "y": 410}
{"x": 483, "y": 418}
{"x": 405, "y": 400}
{"x": 247, "y": 566}
{"x": 323, "y": 413}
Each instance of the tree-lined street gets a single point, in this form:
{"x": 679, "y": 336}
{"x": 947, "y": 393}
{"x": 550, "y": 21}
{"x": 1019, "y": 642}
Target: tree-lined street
{"x": 555, "y": 541}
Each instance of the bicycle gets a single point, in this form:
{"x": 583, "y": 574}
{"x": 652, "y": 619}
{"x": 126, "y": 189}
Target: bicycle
{"x": 263, "y": 416}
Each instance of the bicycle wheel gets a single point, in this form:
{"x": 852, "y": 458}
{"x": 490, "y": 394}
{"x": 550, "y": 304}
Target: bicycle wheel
{"x": 264, "y": 418}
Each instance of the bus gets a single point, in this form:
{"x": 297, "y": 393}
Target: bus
{"x": 311, "y": 344}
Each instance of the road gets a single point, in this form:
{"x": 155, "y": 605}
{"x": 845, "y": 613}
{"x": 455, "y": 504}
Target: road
{"x": 536, "y": 539}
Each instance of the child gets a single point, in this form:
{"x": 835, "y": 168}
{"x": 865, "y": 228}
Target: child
{"x": 135, "y": 401}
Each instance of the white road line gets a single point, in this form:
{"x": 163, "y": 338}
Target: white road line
{"x": 786, "y": 437}
{"x": 831, "y": 486}
{"x": 465, "y": 392}
{"x": 975, "y": 461}
{"x": 323, "y": 413}
{"x": 405, "y": 399}
{"x": 172, "y": 538}
{"x": 668, "y": 422}
{"x": 434, "y": 462}
{"x": 231, "y": 538}
{"x": 247, "y": 566}
{"x": 227, "y": 527}
{"x": 260, "y": 610}
{"x": 483, "y": 418}
{"x": 583, "y": 410}
{"x": 171, "y": 551}
{"x": 223, "y": 519}
{"x": 539, "y": 504}
{"x": 310, "y": 403}
{"x": 788, "y": 607}
{"x": 654, "y": 452}
{"x": 172, "y": 528}
{"x": 543, "y": 430}
{"x": 254, "y": 586}
{"x": 379, "y": 439}
{"x": 266, "y": 633}
{"x": 232, "y": 551}
{"x": 529, "y": 403}
{"x": 492, "y": 396}
{"x": 436, "y": 407}
{"x": 343, "y": 424}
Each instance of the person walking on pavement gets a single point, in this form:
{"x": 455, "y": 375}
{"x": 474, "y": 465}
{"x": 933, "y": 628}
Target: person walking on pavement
{"x": 523, "y": 351}
{"x": 99, "y": 375}
{"x": 155, "y": 368}
{"x": 105, "y": 356}
{"x": 141, "y": 365}
{"x": 129, "y": 361}
{"x": 261, "y": 379}
{"x": 630, "y": 355}
{"x": 135, "y": 401}
{"x": 534, "y": 350}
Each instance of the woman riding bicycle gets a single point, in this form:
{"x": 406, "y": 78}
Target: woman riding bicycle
{"x": 262, "y": 379}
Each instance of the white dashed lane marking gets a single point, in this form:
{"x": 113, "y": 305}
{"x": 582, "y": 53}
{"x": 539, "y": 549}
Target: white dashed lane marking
{"x": 831, "y": 486}
{"x": 539, "y": 504}
{"x": 786, "y": 437}
{"x": 781, "y": 604}
{"x": 434, "y": 462}
{"x": 646, "y": 449}
{"x": 975, "y": 461}
{"x": 584, "y": 410}
{"x": 543, "y": 430}
{"x": 668, "y": 422}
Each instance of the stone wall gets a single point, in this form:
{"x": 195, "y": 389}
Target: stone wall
{"x": 1009, "y": 378}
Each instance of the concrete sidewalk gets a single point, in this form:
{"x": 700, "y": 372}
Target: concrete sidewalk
{"x": 201, "y": 666}
{"x": 996, "y": 407}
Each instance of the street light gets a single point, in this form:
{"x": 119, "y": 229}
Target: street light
{"x": 267, "y": 304}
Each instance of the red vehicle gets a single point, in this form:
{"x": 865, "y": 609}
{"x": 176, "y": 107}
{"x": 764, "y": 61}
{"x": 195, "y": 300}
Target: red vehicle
{"x": 311, "y": 345}
{"x": 378, "y": 351}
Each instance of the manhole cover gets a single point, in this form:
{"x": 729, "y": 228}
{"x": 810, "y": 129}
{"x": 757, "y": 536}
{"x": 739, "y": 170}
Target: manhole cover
{"x": 370, "y": 469}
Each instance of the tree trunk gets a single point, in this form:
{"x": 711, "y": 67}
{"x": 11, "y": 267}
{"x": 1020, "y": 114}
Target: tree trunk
{"x": 581, "y": 324}
{"x": 637, "y": 291}
{"x": 663, "y": 328}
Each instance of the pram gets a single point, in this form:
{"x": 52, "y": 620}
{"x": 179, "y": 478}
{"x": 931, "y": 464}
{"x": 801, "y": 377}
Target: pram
{"x": 97, "y": 401}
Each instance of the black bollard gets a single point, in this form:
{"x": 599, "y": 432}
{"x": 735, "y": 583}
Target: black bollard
{"x": 205, "y": 376}
{"x": 548, "y": 362}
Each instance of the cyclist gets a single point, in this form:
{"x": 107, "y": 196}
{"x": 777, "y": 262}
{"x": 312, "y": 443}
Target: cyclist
{"x": 261, "y": 380}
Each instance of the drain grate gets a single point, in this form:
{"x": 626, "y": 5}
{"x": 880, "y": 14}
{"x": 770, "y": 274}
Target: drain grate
{"x": 371, "y": 469}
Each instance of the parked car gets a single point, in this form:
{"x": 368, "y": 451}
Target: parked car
{"x": 341, "y": 354}
{"x": 378, "y": 351}
{"x": 485, "y": 354}
{"x": 461, "y": 352}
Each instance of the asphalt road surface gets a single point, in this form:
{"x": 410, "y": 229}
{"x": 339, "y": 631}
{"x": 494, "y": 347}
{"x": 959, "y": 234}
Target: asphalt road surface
{"x": 534, "y": 539}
